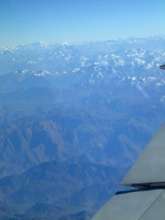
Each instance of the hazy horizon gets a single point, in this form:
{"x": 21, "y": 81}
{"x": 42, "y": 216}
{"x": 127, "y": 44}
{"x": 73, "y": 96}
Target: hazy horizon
{"x": 80, "y": 42}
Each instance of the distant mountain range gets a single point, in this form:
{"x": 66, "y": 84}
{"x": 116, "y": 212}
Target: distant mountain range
{"x": 73, "y": 119}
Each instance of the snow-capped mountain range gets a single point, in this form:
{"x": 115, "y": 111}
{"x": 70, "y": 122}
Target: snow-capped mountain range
{"x": 132, "y": 60}
{"x": 75, "y": 115}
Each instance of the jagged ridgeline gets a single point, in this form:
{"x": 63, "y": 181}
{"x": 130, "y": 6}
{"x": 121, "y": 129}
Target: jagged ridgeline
{"x": 73, "y": 119}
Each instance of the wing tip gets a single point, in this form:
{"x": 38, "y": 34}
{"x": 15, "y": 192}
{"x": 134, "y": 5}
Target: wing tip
{"x": 162, "y": 67}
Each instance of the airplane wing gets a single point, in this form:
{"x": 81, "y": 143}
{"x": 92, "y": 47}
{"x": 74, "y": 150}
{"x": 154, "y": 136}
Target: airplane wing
{"x": 140, "y": 205}
{"x": 150, "y": 167}
{"x": 147, "y": 199}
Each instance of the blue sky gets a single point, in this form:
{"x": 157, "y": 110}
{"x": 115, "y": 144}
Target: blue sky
{"x": 27, "y": 21}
